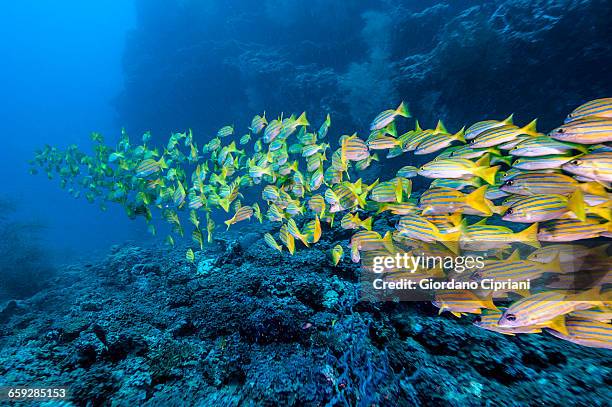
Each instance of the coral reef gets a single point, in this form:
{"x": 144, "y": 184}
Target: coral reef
{"x": 256, "y": 328}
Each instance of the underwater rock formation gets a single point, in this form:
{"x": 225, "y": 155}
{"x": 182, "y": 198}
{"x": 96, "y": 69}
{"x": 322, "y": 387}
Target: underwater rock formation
{"x": 142, "y": 328}
{"x": 184, "y": 56}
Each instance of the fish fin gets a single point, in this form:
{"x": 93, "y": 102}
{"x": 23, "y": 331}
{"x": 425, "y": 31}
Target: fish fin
{"x": 367, "y": 223}
{"x": 228, "y": 223}
{"x": 499, "y": 210}
{"x": 459, "y": 136}
{"x": 575, "y": 203}
{"x": 515, "y": 256}
{"x": 522, "y": 293}
{"x": 302, "y": 121}
{"x": 388, "y": 242}
{"x": 476, "y": 200}
{"x": 602, "y": 210}
{"x": 509, "y": 119}
{"x": 402, "y": 110}
{"x": 588, "y": 295}
{"x": 594, "y": 188}
{"x": 457, "y": 314}
{"x": 488, "y": 303}
{"x": 398, "y": 190}
{"x": 440, "y": 128}
{"x": 554, "y": 266}
{"x": 450, "y": 240}
{"x": 456, "y": 219}
{"x": 530, "y": 128}
{"x": 487, "y": 173}
{"x": 483, "y": 161}
{"x": 529, "y": 236}
{"x": 558, "y": 324}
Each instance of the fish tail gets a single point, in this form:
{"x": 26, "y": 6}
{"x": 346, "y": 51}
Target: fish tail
{"x": 450, "y": 240}
{"x": 529, "y": 236}
{"x": 558, "y": 324}
{"x": 367, "y": 223}
{"x": 509, "y": 119}
{"x": 593, "y": 188}
{"x": 530, "y": 128}
{"x": 488, "y": 303}
{"x": 602, "y": 210}
{"x": 487, "y": 173}
{"x": 402, "y": 110}
{"x": 388, "y": 242}
{"x": 162, "y": 163}
{"x": 476, "y": 200}
{"x": 302, "y": 120}
{"x": 575, "y": 203}
{"x": 554, "y": 266}
{"x": 460, "y": 136}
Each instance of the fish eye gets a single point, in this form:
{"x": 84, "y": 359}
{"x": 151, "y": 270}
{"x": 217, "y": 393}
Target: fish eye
{"x": 509, "y": 211}
{"x": 509, "y": 182}
{"x": 575, "y": 162}
{"x": 477, "y": 319}
{"x": 560, "y": 130}
{"x": 511, "y": 317}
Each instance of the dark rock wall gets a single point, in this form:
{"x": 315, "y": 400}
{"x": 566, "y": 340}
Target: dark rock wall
{"x": 205, "y": 64}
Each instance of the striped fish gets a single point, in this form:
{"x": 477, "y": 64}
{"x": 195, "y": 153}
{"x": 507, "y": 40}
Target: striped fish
{"x": 597, "y": 108}
{"x": 568, "y": 230}
{"x": 597, "y": 166}
{"x": 178, "y": 197}
{"x": 437, "y": 142}
{"x": 225, "y": 131}
{"x": 457, "y": 184}
{"x": 196, "y": 236}
{"x": 324, "y": 127}
{"x": 294, "y": 231}
{"x": 410, "y": 140}
{"x": 407, "y": 171}
{"x": 150, "y": 166}
{"x": 258, "y": 123}
{"x": 336, "y": 254}
{"x": 458, "y": 168}
{"x": 544, "y": 162}
{"x": 593, "y": 315}
{"x": 461, "y": 302}
{"x": 190, "y": 256}
{"x": 382, "y": 142}
{"x": 354, "y": 148}
{"x": 515, "y": 269}
{"x": 317, "y": 205}
{"x": 586, "y": 332}
{"x": 477, "y": 128}
{"x": 388, "y": 191}
{"x": 272, "y": 131}
{"x": 489, "y": 322}
{"x": 243, "y": 213}
{"x": 503, "y": 134}
{"x": 270, "y": 241}
{"x": 404, "y": 208}
{"x": 447, "y": 200}
{"x": 312, "y": 230}
{"x": 538, "y": 208}
{"x": 539, "y": 183}
{"x": 385, "y": 118}
{"x": 287, "y": 239}
{"x": 368, "y": 240}
{"x": 416, "y": 227}
{"x": 544, "y": 145}
{"x": 482, "y": 237}
{"x": 589, "y": 130}
{"x": 564, "y": 252}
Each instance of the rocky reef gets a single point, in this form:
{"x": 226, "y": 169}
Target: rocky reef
{"x": 244, "y": 325}
{"x": 202, "y": 65}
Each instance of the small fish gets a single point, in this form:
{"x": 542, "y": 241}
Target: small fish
{"x": 407, "y": 171}
{"x": 324, "y": 127}
{"x": 538, "y": 183}
{"x": 477, "y": 128}
{"x": 388, "y": 191}
{"x": 538, "y": 208}
{"x": 352, "y": 221}
{"x": 294, "y": 231}
{"x": 287, "y": 239}
{"x": 568, "y": 230}
{"x": 337, "y": 253}
{"x": 596, "y": 166}
{"x": 459, "y": 302}
{"x": 593, "y": 108}
{"x": 368, "y": 240}
{"x": 317, "y": 205}
{"x": 544, "y": 145}
{"x": 196, "y": 236}
{"x": 385, "y": 118}
{"x": 482, "y": 237}
{"x": 458, "y": 168}
{"x": 258, "y": 123}
{"x": 382, "y": 142}
{"x": 313, "y": 230}
{"x": 269, "y": 239}
{"x": 502, "y": 134}
{"x": 225, "y": 131}
{"x": 245, "y": 139}
{"x": 544, "y": 162}
{"x": 447, "y": 200}
{"x": 190, "y": 256}
{"x": 437, "y": 142}
{"x": 354, "y": 148}
{"x": 416, "y": 227}
{"x": 243, "y": 213}
{"x": 585, "y": 332}
{"x": 489, "y": 320}
{"x": 588, "y": 130}
{"x": 150, "y": 166}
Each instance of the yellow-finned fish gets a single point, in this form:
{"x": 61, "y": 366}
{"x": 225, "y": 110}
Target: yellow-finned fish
{"x": 336, "y": 254}
{"x": 585, "y": 332}
{"x": 190, "y": 256}
{"x": 270, "y": 241}
{"x": 588, "y": 130}
{"x": 594, "y": 108}
{"x": 385, "y": 118}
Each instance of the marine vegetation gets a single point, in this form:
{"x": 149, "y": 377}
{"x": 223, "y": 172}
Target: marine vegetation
{"x": 556, "y": 183}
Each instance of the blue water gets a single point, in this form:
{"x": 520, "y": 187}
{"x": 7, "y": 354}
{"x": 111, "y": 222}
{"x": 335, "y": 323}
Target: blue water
{"x": 60, "y": 72}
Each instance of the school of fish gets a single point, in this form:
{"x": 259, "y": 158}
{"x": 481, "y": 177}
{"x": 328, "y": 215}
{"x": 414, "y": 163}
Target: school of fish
{"x": 557, "y": 184}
